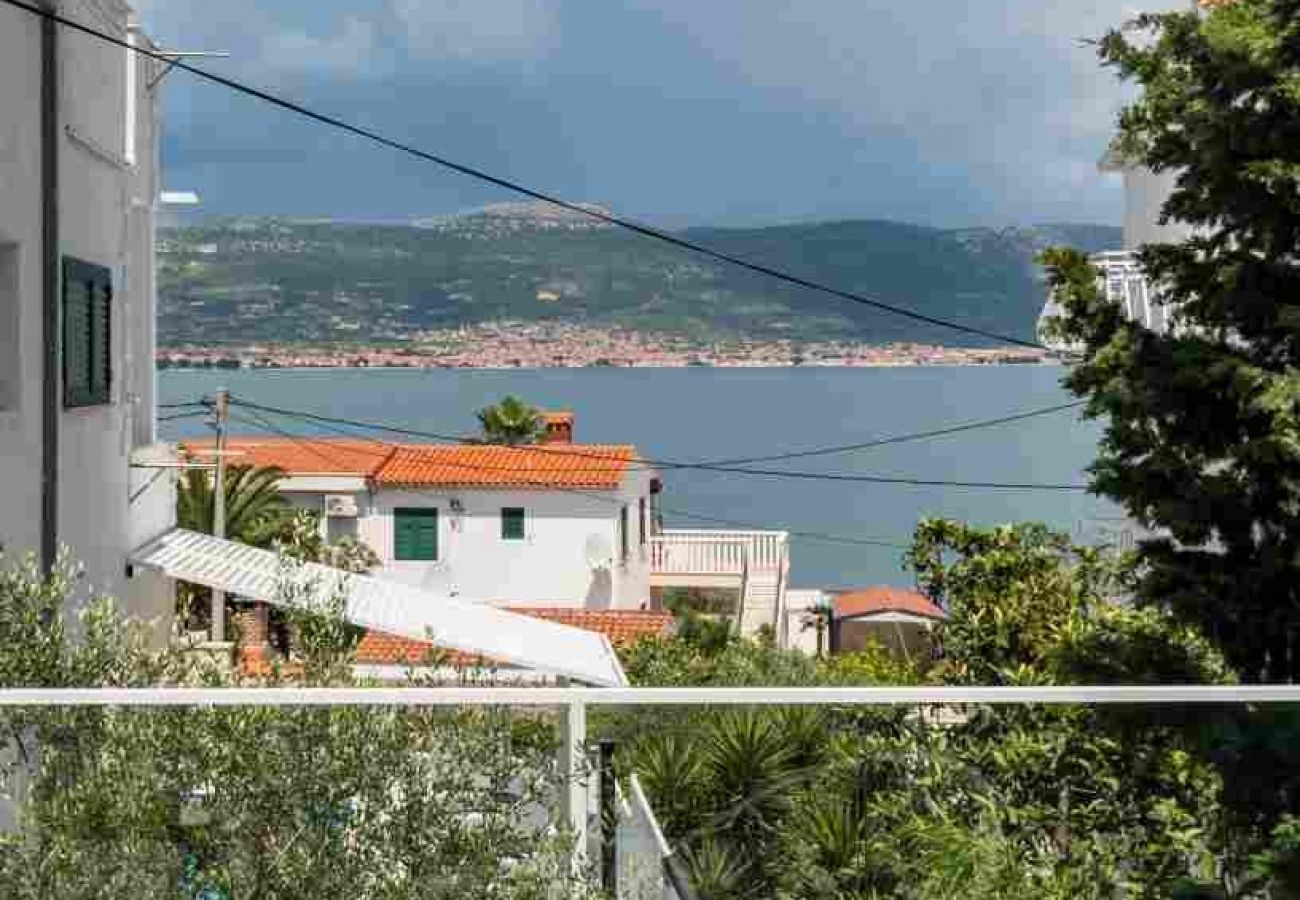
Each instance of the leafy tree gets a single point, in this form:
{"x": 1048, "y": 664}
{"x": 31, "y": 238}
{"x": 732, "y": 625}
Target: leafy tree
{"x": 1203, "y": 436}
{"x": 511, "y": 422}
{"x": 245, "y": 802}
{"x": 1004, "y": 802}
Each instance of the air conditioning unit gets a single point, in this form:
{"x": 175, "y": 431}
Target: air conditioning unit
{"x": 340, "y": 506}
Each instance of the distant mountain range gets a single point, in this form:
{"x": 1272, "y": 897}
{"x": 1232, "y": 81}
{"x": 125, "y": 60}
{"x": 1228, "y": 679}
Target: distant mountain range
{"x": 286, "y": 281}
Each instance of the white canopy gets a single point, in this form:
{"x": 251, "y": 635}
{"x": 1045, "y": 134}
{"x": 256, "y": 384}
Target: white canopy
{"x": 388, "y": 606}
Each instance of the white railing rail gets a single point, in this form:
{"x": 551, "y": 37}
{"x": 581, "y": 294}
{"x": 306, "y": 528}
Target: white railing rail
{"x": 1141, "y": 695}
{"x": 717, "y": 552}
{"x": 573, "y": 702}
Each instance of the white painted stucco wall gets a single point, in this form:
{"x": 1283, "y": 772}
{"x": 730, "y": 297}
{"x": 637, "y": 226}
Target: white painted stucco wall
{"x": 106, "y": 207}
{"x": 548, "y": 568}
{"x": 20, "y": 294}
{"x": 1145, "y": 194}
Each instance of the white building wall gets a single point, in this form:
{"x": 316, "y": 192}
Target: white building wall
{"x": 20, "y": 298}
{"x": 550, "y": 567}
{"x": 1145, "y": 194}
{"x": 105, "y": 209}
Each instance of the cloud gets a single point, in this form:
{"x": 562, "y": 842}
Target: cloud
{"x": 348, "y": 49}
{"x": 941, "y": 110}
{"x": 477, "y": 30}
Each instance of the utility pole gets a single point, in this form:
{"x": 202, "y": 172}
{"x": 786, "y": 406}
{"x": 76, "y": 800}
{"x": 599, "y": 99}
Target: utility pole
{"x": 222, "y": 410}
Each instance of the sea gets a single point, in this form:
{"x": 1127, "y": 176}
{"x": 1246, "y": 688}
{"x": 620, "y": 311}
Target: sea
{"x": 844, "y": 533}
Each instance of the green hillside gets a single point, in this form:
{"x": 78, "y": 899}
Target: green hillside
{"x": 283, "y": 281}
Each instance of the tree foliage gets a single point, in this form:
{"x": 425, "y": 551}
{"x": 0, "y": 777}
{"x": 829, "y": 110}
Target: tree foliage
{"x": 1202, "y": 444}
{"x": 1003, "y": 802}
{"x": 255, "y": 510}
{"x": 242, "y": 802}
{"x": 512, "y": 421}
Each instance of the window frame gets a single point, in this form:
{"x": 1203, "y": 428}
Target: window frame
{"x": 407, "y": 513}
{"x": 521, "y": 519}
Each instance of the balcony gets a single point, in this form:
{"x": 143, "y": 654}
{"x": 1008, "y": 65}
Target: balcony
{"x": 690, "y": 558}
{"x": 754, "y": 563}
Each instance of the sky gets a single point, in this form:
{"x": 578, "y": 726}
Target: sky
{"x": 678, "y": 112}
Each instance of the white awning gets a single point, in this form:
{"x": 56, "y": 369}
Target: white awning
{"x": 451, "y": 622}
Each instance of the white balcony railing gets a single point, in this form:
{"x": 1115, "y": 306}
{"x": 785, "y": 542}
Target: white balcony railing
{"x": 644, "y": 861}
{"x": 692, "y": 552}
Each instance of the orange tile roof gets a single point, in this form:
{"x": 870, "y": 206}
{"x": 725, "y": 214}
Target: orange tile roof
{"x": 551, "y": 466}
{"x": 436, "y": 465}
{"x": 882, "y": 599}
{"x": 306, "y": 456}
{"x": 623, "y": 627}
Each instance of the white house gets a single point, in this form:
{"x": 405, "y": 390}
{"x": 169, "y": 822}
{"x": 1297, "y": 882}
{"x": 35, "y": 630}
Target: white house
{"x": 551, "y": 525}
{"x": 78, "y": 185}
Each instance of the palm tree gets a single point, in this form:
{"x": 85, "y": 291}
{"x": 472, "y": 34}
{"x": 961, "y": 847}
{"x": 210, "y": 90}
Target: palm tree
{"x": 254, "y": 508}
{"x": 255, "y": 514}
{"x": 818, "y": 618}
{"x": 511, "y": 422}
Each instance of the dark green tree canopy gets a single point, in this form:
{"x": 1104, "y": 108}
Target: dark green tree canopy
{"x": 1203, "y": 438}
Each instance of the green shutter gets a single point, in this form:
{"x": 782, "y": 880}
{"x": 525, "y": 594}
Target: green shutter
{"x": 415, "y": 534}
{"x": 512, "y": 523}
{"x": 101, "y": 341}
{"x": 87, "y": 334}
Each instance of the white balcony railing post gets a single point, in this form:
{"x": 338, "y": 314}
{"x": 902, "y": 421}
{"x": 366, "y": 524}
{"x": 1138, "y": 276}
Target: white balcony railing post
{"x": 573, "y": 766}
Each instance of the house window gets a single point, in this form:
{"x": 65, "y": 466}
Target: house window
{"x": 640, "y": 520}
{"x": 512, "y": 523}
{"x": 415, "y": 533}
{"x": 622, "y": 533}
{"x": 338, "y": 528}
{"x": 87, "y": 334}
{"x": 9, "y": 362}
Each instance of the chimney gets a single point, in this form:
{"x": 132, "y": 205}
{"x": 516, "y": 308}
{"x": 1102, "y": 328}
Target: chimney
{"x": 559, "y": 427}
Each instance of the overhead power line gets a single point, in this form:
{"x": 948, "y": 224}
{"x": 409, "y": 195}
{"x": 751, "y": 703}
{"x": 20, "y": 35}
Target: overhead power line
{"x": 897, "y": 438}
{"x": 264, "y": 424}
{"x": 577, "y": 452}
{"x": 532, "y": 193}
{"x": 182, "y": 415}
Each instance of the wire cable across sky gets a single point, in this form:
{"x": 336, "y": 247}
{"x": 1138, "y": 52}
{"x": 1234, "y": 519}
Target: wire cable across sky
{"x": 264, "y": 424}
{"x": 532, "y": 193}
{"x": 577, "y": 451}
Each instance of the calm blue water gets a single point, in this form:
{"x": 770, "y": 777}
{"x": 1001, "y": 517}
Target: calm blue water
{"x": 700, "y": 413}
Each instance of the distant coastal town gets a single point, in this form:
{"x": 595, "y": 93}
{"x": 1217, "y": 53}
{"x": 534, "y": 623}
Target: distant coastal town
{"x": 506, "y": 345}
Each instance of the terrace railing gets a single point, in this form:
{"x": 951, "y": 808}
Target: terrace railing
{"x": 637, "y": 828}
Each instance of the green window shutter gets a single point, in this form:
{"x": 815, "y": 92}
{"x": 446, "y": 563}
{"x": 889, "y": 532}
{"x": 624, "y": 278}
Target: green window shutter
{"x": 622, "y": 533}
{"x": 87, "y": 334}
{"x": 512, "y": 523}
{"x": 415, "y": 534}
{"x": 101, "y": 341}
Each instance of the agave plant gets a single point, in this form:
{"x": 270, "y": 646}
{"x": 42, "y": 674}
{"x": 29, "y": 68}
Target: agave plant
{"x": 670, "y": 765}
{"x": 716, "y": 871}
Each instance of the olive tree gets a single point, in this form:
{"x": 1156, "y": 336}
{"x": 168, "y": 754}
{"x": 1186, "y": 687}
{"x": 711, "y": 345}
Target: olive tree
{"x": 258, "y": 802}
